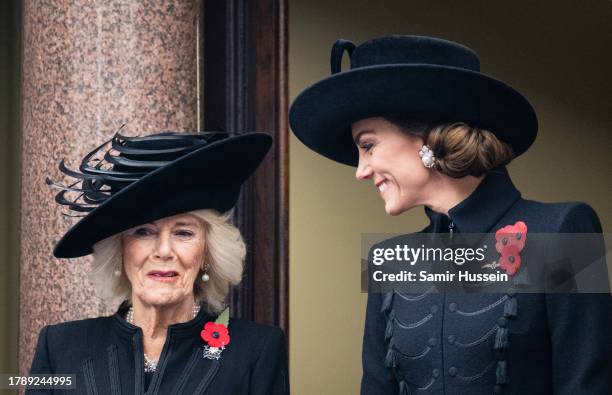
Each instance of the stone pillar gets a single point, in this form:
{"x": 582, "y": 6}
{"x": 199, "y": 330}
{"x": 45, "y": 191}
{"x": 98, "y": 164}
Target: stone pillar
{"x": 90, "y": 66}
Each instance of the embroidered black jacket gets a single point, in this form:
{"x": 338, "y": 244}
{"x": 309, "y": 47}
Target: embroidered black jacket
{"x": 513, "y": 343}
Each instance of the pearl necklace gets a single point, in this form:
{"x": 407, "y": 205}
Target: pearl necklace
{"x": 149, "y": 364}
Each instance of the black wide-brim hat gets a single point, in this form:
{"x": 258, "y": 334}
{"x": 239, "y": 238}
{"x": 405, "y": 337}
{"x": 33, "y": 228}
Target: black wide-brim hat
{"x": 411, "y": 78}
{"x": 153, "y": 177}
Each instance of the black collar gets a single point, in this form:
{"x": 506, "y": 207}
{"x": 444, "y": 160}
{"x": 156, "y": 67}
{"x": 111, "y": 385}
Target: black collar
{"x": 480, "y": 211}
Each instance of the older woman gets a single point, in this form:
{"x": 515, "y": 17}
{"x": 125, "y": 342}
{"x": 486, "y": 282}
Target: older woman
{"x": 420, "y": 122}
{"x": 159, "y": 226}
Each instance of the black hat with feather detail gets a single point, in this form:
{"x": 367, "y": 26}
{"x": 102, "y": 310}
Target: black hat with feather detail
{"x": 129, "y": 181}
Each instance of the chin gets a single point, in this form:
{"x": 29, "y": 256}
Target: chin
{"x": 396, "y": 209}
{"x": 393, "y": 211}
{"x": 161, "y": 298}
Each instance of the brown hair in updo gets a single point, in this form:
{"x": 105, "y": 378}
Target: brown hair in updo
{"x": 460, "y": 149}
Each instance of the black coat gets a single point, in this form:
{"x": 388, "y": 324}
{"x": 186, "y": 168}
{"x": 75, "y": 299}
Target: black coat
{"x": 106, "y": 354}
{"x": 513, "y": 343}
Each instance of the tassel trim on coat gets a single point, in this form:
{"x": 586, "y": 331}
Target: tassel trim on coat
{"x": 502, "y": 341}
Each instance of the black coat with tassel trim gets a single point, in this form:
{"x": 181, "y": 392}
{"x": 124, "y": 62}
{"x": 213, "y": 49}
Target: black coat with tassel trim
{"x": 511, "y": 343}
{"x": 106, "y": 354}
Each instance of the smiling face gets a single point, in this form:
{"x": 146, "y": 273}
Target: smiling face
{"x": 163, "y": 258}
{"x": 390, "y": 158}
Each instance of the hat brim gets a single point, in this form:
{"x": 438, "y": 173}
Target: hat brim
{"x": 322, "y": 115}
{"x": 209, "y": 177}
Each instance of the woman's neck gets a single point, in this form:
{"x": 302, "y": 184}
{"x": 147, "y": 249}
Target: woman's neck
{"x": 447, "y": 192}
{"x": 155, "y": 320}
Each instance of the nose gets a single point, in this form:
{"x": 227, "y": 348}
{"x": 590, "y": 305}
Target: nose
{"x": 364, "y": 171}
{"x": 163, "y": 250}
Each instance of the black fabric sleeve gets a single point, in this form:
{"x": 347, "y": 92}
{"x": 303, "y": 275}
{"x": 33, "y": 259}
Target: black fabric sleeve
{"x": 580, "y": 326}
{"x": 581, "y": 345}
{"x": 41, "y": 363}
{"x": 270, "y": 375}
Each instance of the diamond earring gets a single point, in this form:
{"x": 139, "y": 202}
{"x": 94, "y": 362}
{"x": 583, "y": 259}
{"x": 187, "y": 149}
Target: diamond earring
{"x": 427, "y": 157}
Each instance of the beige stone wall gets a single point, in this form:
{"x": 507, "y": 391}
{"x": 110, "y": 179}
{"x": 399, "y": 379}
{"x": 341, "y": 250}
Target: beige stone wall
{"x": 556, "y": 52}
{"x": 88, "y": 68}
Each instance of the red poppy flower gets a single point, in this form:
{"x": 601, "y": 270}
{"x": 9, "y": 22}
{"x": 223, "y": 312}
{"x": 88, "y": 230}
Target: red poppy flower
{"x": 511, "y": 235}
{"x": 216, "y": 335}
{"x": 510, "y": 260}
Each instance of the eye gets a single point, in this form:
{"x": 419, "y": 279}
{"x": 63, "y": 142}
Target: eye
{"x": 367, "y": 146}
{"x": 143, "y": 232}
{"x": 184, "y": 233}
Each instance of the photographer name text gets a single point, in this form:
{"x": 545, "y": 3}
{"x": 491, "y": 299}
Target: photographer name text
{"x": 421, "y": 276}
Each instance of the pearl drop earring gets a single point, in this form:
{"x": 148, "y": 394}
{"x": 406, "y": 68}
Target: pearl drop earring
{"x": 117, "y": 273}
{"x": 205, "y": 276}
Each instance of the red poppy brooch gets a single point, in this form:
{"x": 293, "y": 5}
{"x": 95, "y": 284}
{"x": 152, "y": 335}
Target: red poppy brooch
{"x": 216, "y": 336}
{"x": 509, "y": 242}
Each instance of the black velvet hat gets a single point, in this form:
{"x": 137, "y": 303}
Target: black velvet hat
{"x": 129, "y": 181}
{"x": 407, "y": 77}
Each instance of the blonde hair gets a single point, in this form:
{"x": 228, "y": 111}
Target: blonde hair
{"x": 460, "y": 149}
{"x": 224, "y": 258}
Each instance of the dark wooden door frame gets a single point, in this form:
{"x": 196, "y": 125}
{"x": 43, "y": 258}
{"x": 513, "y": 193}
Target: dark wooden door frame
{"x": 244, "y": 89}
